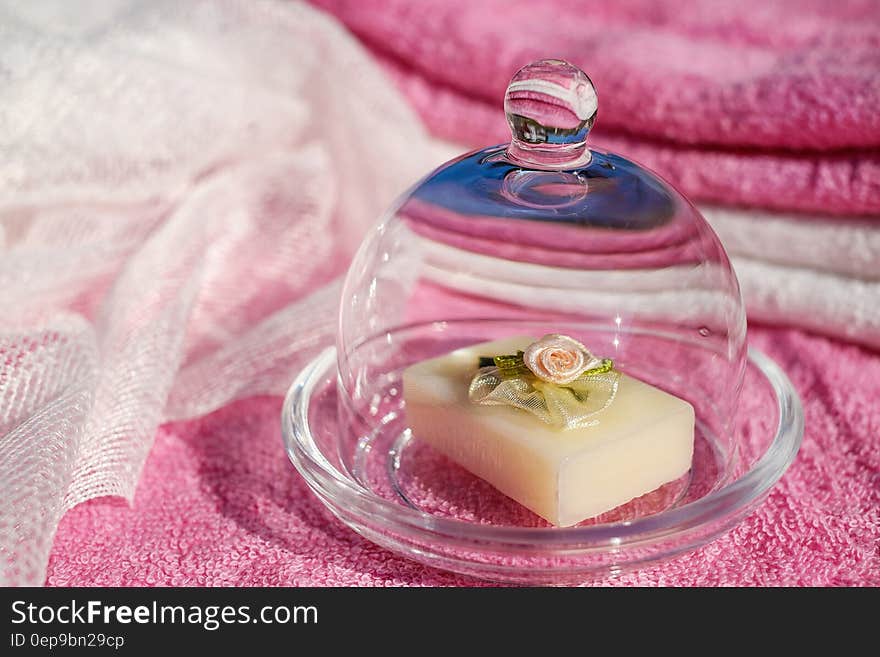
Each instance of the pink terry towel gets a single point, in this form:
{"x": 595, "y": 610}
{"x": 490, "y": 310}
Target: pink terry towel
{"x": 770, "y": 104}
{"x": 219, "y": 504}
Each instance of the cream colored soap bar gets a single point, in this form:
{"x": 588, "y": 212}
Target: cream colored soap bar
{"x": 644, "y": 439}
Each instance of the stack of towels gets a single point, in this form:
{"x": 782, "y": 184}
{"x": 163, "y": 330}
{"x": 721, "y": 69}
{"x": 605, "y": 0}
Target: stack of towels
{"x": 764, "y": 114}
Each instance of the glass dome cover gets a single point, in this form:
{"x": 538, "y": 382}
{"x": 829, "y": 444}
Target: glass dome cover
{"x": 542, "y": 235}
{"x": 545, "y": 235}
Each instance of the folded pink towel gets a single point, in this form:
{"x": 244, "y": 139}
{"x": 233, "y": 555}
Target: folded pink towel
{"x": 219, "y": 504}
{"x": 762, "y": 104}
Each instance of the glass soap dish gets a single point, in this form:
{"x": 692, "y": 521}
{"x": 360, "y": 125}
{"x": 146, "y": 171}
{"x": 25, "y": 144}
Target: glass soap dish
{"x": 543, "y": 235}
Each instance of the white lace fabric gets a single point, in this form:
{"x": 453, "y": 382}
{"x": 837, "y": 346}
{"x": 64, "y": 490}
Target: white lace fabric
{"x": 180, "y": 186}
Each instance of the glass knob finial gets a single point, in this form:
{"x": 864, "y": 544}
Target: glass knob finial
{"x": 550, "y": 106}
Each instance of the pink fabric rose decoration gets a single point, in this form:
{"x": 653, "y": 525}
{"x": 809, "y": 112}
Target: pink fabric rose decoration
{"x": 558, "y": 359}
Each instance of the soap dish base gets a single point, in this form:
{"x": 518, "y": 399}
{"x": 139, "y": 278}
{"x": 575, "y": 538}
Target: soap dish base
{"x": 399, "y": 493}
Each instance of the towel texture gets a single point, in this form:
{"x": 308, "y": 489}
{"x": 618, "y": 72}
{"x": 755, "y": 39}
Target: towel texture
{"x": 819, "y": 273}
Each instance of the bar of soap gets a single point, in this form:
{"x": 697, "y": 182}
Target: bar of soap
{"x": 644, "y": 439}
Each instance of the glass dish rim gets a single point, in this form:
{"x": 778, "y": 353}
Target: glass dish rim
{"x": 730, "y": 501}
